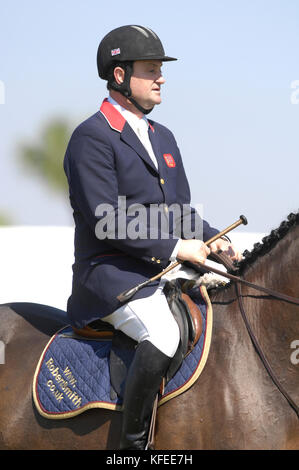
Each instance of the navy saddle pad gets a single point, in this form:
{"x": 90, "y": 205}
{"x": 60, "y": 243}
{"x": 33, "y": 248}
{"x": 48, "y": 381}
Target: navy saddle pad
{"x": 73, "y": 373}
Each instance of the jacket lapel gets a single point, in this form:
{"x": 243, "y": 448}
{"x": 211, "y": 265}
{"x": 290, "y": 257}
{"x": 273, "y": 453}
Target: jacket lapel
{"x": 131, "y": 139}
{"x": 156, "y": 148}
{"x": 118, "y": 123}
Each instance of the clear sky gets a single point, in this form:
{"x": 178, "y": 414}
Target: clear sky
{"x": 228, "y": 99}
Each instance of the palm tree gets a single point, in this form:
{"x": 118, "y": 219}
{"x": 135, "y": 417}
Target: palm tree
{"x": 5, "y": 219}
{"x": 46, "y": 158}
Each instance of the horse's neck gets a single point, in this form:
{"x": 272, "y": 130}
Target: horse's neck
{"x": 275, "y": 323}
{"x": 278, "y": 269}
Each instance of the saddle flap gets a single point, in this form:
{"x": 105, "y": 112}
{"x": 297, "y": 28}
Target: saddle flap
{"x": 189, "y": 320}
{"x": 181, "y": 319}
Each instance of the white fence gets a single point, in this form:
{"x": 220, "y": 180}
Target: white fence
{"x": 36, "y": 263}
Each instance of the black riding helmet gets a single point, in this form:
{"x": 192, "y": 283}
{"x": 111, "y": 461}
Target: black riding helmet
{"x": 123, "y": 46}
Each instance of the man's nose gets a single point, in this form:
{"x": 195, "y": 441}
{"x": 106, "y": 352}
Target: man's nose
{"x": 161, "y": 80}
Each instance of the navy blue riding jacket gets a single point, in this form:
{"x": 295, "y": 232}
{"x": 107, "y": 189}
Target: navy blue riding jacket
{"x": 104, "y": 161}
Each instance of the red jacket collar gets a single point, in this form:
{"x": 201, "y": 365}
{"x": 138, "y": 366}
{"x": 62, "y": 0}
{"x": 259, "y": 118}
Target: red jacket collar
{"x": 115, "y": 120}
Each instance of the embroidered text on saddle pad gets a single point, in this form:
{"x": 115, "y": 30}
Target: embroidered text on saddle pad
{"x": 73, "y": 376}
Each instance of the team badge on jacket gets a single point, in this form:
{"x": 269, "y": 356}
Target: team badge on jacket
{"x": 169, "y": 160}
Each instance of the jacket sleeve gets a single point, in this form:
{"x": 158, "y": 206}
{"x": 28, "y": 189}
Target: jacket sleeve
{"x": 93, "y": 182}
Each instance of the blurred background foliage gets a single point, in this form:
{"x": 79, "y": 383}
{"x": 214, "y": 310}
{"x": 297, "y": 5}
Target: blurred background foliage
{"x": 45, "y": 158}
{"x": 5, "y": 219}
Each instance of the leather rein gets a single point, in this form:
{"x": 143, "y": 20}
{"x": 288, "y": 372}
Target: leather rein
{"x": 272, "y": 293}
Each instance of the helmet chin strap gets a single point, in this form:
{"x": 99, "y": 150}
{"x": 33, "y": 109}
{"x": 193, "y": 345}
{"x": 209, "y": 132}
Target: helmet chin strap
{"x": 138, "y": 106}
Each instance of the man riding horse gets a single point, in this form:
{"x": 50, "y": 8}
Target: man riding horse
{"x": 119, "y": 155}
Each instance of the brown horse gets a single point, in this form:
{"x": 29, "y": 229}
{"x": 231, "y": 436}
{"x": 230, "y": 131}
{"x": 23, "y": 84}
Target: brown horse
{"x": 233, "y": 405}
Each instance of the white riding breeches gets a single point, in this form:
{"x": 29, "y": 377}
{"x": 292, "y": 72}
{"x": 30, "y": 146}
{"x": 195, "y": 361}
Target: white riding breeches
{"x": 149, "y": 319}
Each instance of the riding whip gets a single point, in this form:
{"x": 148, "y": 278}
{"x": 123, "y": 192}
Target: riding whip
{"x": 126, "y": 295}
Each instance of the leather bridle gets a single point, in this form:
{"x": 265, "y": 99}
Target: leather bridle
{"x": 239, "y": 280}
{"x": 272, "y": 293}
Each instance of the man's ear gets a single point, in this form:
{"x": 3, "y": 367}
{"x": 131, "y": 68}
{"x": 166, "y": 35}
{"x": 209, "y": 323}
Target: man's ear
{"x": 119, "y": 75}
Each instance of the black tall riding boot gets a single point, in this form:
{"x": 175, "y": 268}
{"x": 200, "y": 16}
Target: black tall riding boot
{"x": 143, "y": 382}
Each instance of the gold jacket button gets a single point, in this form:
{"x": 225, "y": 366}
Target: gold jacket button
{"x": 162, "y": 181}
{"x": 153, "y": 258}
{"x": 158, "y": 261}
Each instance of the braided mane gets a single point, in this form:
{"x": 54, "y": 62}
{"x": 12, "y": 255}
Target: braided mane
{"x": 268, "y": 242}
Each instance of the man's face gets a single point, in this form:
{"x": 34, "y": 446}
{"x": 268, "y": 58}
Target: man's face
{"x": 146, "y": 82}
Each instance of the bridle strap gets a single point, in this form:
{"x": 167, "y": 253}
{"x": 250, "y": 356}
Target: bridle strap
{"x": 261, "y": 354}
